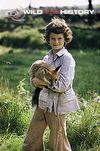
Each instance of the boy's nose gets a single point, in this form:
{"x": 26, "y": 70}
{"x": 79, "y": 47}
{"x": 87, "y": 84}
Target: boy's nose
{"x": 56, "y": 41}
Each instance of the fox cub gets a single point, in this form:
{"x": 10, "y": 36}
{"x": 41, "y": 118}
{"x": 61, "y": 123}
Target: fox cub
{"x": 46, "y": 73}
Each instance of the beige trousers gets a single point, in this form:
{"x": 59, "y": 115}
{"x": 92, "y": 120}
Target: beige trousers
{"x": 57, "y": 141}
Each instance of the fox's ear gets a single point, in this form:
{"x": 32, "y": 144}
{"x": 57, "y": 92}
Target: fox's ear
{"x": 58, "y": 68}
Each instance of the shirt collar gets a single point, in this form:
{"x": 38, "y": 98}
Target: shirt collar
{"x": 59, "y": 53}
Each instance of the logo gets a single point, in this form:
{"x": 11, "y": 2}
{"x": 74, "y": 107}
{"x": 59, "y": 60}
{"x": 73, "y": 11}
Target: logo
{"x": 17, "y": 14}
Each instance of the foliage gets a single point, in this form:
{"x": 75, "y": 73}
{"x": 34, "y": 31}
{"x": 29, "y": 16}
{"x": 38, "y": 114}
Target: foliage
{"x": 14, "y": 110}
{"x": 38, "y": 22}
{"x": 22, "y": 38}
{"x": 85, "y": 38}
{"x": 11, "y": 142}
{"x": 83, "y": 126}
{"x": 31, "y": 37}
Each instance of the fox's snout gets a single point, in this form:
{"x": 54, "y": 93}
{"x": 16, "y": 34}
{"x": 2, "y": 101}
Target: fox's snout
{"x": 55, "y": 74}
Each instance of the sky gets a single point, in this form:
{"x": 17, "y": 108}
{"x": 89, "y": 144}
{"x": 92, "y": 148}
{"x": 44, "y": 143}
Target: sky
{"x": 11, "y": 4}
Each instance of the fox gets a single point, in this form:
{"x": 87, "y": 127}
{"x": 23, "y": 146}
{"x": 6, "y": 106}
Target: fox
{"x": 46, "y": 73}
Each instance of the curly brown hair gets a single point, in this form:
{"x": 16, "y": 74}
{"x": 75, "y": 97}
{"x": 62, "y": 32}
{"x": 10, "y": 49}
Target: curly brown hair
{"x": 58, "y": 26}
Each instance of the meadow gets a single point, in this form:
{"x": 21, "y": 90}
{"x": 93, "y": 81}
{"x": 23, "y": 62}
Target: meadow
{"x": 15, "y": 66}
{"x": 15, "y": 100}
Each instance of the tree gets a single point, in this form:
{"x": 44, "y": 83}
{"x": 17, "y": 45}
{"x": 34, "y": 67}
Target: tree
{"x": 90, "y": 17}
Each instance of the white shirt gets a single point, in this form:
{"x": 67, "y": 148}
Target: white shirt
{"x": 63, "y": 98}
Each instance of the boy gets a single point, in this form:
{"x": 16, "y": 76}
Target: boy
{"x": 55, "y": 103}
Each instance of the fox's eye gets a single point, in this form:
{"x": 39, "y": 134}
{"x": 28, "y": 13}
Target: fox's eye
{"x": 55, "y": 80}
{"x": 50, "y": 80}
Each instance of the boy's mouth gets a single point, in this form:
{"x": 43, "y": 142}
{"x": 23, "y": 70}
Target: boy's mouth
{"x": 55, "y": 45}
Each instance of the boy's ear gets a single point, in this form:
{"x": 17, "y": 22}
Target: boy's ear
{"x": 58, "y": 68}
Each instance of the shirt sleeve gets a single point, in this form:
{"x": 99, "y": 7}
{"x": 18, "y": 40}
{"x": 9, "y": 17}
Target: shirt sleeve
{"x": 45, "y": 58}
{"x": 66, "y": 75}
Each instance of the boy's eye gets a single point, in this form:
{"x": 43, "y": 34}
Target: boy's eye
{"x": 59, "y": 38}
{"x": 52, "y": 38}
{"x": 56, "y": 39}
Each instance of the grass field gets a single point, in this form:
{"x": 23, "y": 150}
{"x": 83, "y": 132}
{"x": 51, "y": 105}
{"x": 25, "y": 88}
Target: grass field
{"x": 15, "y": 96}
{"x": 14, "y": 67}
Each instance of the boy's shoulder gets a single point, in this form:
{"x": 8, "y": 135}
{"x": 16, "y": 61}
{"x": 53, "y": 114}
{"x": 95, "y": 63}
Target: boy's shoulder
{"x": 47, "y": 56}
{"x": 64, "y": 53}
{"x": 67, "y": 57}
{"x": 67, "y": 54}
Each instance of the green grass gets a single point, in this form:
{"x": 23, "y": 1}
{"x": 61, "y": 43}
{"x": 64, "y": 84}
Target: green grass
{"x": 87, "y": 73}
{"x": 11, "y": 142}
{"x": 15, "y": 109}
{"x": 83, "y": 126}
{"x": 16, "y": 113}
{"x": 15, "y": 97}
{"x": 14, "y": 67}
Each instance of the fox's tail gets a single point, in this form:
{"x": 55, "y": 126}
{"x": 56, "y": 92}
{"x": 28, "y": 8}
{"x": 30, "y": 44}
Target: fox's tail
{"x": 35, "y": 97}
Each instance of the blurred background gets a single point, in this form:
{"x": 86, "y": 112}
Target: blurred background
{"x": 85, "y": 27}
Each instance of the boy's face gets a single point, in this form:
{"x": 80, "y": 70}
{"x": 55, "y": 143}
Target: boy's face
{"x": 56, "y": 41}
